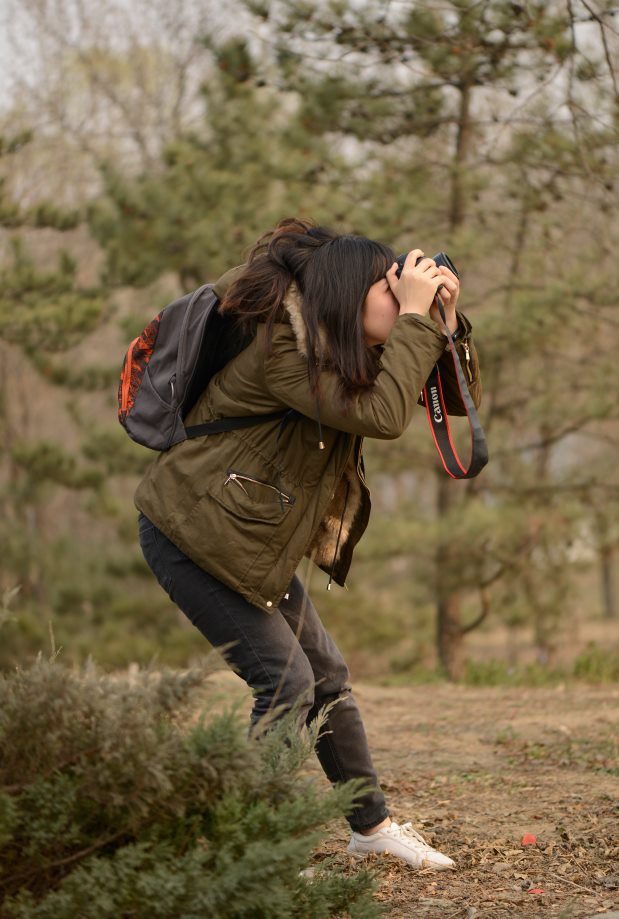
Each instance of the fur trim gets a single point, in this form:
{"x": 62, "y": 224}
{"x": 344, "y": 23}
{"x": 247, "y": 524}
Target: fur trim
{"x": 324, "y": 540}
{"x": 293, "y": 306}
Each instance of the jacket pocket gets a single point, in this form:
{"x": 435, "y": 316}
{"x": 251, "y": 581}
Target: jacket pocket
{"x": 251, "y": 498}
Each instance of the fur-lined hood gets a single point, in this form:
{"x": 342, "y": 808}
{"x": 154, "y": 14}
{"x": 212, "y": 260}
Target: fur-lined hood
{"x": 293, "y": 307}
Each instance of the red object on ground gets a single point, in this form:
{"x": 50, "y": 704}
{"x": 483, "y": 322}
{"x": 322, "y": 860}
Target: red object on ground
{"x": 535, "y": 890}
{"x": 528, "y": 840}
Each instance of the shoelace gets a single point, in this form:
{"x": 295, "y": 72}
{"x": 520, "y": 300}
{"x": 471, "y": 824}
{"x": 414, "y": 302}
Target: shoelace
{"x": 406, "y": 829}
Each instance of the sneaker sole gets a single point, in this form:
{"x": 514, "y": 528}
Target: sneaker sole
{"x": 360, "y": 856}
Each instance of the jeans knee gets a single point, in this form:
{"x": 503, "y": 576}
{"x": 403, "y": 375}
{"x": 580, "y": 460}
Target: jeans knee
{"x": 299, "y": 687}
{"x": 336, "y": 683}
{"x": 296, "y": 686}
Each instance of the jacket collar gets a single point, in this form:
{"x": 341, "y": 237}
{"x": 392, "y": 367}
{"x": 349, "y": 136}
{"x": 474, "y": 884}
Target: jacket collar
{"x": 293, "y": 308}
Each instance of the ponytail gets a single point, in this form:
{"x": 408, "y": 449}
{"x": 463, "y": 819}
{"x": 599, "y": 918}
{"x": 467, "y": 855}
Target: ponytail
{"x": 279, "y": 257}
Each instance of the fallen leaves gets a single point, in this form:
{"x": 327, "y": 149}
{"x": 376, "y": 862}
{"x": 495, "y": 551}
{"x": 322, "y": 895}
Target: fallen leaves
{"x": 569, "y": 868}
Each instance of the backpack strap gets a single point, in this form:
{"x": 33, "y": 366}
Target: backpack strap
{"x": 240, "y": 421}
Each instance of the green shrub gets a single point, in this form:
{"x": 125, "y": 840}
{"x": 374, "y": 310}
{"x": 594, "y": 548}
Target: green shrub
{"x": 593, "y": 665}
{"x": 115, "y": 802}
{"x": 597, "y": 664}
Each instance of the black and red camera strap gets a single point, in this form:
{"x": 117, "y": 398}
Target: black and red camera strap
{"x": 439, "y": 422}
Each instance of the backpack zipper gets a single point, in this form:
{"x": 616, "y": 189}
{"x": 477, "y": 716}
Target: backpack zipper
{"x": 124, "y": 392}
{"x": 240, "y": 477}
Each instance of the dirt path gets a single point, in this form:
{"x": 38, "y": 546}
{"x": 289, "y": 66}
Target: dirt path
{"x": 476, "y": 769}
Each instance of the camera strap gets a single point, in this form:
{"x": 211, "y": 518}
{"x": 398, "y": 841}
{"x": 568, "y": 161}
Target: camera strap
{"x": 439, "y": 422}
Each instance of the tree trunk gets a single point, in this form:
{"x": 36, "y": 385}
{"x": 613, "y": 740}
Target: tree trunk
{"x": 463, "y": 142}
{"x": 609, "y": 593}
{"x": 450, "y": 637}
{"x": 449, "y": 632}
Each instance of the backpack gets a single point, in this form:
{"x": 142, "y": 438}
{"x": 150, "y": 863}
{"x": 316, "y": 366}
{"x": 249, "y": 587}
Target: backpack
{"x": 169, "y": 365}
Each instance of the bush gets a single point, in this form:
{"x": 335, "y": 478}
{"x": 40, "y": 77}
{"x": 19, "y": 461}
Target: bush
{"x": 114, "y": 804}
{"x": 596, "y": 664}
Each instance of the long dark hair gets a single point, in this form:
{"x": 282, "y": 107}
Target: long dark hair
{"x": 333, "y": 274}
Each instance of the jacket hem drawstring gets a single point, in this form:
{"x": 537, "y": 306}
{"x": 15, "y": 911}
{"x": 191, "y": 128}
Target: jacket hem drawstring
{"x": 339, "y": 535}
{"x": 321, "y": 443}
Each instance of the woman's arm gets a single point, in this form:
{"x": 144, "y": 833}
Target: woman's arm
{"x": 413, "y": 347}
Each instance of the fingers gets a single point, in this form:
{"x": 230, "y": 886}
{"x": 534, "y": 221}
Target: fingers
{"x": 449, "y": 273}
{"x": 449, "y": 288}
{"x": 392, "y": 279}
{"x": 428, "y": 265}
{"x": 412, "y": 257}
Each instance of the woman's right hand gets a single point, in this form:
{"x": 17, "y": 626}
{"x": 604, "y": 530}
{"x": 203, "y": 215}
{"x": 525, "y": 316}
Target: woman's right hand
{"x": 416, "y": 287}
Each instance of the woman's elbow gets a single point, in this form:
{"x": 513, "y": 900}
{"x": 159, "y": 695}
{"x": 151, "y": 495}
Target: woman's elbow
{"x": 390, "y": 426}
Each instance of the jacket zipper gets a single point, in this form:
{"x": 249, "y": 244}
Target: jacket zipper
{"x": 468, "y": 360}
{"x": 124, "y": 394}
{"x": 240, "y": 477}
{"x": 359, "y": 468}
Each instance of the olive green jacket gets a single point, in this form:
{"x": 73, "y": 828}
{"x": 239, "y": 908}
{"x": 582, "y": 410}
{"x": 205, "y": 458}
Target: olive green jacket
{"x": 247, "y": 505}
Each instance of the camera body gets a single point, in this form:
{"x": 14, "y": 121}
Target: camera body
{"x": 441, "y": 258}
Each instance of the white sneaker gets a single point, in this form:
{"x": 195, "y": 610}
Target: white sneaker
{"x": 403, "y": 841}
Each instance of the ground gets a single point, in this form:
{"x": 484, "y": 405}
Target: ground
{"x": 474, "y": 770}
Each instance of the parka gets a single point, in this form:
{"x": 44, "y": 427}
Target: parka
{"x": 247, "y": 505}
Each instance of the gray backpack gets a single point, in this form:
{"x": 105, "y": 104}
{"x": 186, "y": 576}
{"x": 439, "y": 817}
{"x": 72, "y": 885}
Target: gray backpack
{"x": 169, "y": 365}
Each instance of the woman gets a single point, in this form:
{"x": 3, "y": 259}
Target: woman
{"x": 332, "y": 333}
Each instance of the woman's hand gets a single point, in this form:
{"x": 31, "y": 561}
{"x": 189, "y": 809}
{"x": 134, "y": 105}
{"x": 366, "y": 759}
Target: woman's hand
{"x": 449, "y": 293}
{"x": 416, "y": 287}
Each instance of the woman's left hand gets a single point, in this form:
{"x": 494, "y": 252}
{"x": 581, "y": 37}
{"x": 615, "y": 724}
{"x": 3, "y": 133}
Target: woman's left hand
{"x": 449, "y": 293}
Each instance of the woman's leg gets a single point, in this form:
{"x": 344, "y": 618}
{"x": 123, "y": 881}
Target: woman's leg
{"x": 344, "y": 752}
{"x": 342, "y": 748}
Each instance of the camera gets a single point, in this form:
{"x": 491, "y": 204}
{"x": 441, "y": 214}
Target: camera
{"x": 441, "y": 258}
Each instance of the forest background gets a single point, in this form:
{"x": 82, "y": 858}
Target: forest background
{"x": 143, "y": 148}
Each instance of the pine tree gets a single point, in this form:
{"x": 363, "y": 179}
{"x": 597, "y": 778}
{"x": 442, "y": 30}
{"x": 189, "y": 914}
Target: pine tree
{"x": 43, "y": 313}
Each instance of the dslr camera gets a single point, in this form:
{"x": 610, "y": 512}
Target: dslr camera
{"x": 441, "y": 258}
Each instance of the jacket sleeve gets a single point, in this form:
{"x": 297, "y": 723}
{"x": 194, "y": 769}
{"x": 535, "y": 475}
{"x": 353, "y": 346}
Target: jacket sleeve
{"x": 470, "y": 366}
{"x": 413, "y": 347}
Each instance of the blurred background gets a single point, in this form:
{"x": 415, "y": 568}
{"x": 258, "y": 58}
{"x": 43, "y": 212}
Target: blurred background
{"x": 143, "y": 148}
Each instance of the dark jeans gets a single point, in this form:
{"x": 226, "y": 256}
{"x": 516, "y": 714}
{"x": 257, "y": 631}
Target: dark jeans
{"x": 279, "y": 665}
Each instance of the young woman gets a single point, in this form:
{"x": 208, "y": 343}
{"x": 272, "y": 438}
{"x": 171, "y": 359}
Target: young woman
{"x": 226, "y": 519}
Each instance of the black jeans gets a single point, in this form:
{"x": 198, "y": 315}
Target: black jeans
{"x": 280, "y": 667}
